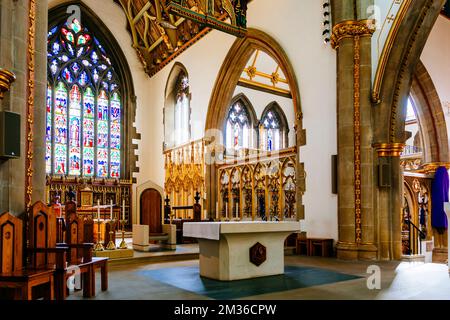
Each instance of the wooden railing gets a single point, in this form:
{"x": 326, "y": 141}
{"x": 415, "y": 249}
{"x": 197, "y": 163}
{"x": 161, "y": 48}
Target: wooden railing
{"x": 261, "y": 185}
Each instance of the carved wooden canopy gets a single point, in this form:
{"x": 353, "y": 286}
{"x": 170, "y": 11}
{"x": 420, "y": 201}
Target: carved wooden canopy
{"x": 163, "y": 29}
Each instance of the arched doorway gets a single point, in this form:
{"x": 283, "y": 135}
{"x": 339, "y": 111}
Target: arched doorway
{"x": 151, "y": 214}
{"x": 223, "y": 91}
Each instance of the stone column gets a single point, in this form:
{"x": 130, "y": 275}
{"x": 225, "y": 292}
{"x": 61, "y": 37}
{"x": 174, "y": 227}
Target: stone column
{"x": 40, "y": 102}
{"x": 356, "y": 184}
{"x": 389, "y": 201}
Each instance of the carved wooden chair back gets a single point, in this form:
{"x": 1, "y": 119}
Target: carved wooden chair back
{"x": 71, "y": 210}
{"x": 42, "y": 234}
{"x": 75, "y": 235}
{"x": 88, "y": 226}
{"x": 11, "y": 243}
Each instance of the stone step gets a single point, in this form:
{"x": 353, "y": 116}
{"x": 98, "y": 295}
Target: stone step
{"x": 414, "y": 258}
{"x": 289, "y": 251}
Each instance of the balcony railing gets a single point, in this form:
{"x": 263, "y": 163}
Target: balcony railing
{"x": 411, "y": 150}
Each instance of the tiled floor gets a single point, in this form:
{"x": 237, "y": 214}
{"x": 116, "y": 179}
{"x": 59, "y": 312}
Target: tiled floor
{"x": 399, "y": 280}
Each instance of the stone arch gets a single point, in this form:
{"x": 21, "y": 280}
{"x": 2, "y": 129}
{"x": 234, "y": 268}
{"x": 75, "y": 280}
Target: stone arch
{"x": 223, "y": 91}
{"x": 430, "y": 116}
{"x": 139, "y": 190}
{"x": 170, "y": 101}
{"x": 401, "y": 65}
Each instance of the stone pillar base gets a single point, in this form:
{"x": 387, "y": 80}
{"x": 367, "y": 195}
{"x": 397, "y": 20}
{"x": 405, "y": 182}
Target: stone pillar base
{"x": 440, "y": 255}
{"x": 353, "y": 251}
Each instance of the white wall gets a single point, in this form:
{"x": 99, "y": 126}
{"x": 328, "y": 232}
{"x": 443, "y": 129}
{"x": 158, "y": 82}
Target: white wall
{"x": 299, "y": 32}
{"x": 436, "y": 61}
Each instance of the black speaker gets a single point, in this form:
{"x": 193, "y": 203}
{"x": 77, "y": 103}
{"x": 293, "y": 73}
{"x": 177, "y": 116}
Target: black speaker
{"x": 384, "y": 175}
{"x": 334, "y": 174}
{"x": 10, "y": 135}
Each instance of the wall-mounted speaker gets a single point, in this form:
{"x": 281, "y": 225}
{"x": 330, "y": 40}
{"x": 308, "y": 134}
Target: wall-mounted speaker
{"x": 384, "y": 175}
{"x": 334, "y": 174}
{"x": 10, "y": 135}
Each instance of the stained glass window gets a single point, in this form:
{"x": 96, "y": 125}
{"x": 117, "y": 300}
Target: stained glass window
{"x": 238, "y": 127}
{"x": 271, "y": 131}
{"x": 84, "y": 106}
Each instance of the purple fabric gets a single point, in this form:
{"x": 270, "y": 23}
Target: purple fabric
{"x": 439, "y": 195}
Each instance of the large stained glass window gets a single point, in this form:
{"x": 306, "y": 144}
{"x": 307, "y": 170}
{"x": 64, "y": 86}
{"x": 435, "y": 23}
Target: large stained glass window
{"x": 84, "y": 106}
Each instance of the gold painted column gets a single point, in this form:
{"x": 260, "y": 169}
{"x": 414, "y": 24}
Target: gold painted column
{"x": 352, "y": 41}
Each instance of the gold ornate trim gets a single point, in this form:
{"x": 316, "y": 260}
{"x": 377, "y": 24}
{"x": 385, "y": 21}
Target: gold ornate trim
{"x": 357, "y": 134}
{"x": 389, "y": 149}
{"x": 351, "y": 29}
{"x": 6, "y": 79}
{"x": 432, "y": 167}
{"x": 30, "y": 103}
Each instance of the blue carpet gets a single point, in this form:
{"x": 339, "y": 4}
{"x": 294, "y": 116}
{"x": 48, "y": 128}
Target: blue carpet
{"x": 188, "y": 278}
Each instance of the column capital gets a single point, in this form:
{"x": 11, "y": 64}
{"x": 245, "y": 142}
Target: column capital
{"x": 6, "y": 79}
{"x": 389, "y": 149}
{"x": 351, "y": 29}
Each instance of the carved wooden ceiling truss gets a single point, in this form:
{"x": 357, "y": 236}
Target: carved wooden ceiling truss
{"x": 162, "y": 29}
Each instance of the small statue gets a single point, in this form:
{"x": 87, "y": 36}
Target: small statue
{"x": 71, "y": 195}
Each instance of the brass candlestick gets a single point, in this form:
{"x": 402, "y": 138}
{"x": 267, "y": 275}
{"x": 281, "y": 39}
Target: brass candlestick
{"x": 111, "y": 245}
{"x": 123, "y": 244}
{"x": 99, "y": 246}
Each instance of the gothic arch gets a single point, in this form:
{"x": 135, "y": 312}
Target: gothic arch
{"x": 283, "y": 119}
{"x": 177, "y": 68}
{"x": 248, "y": 104}
{"x": 58, "y": 15}
{"x": 223, "y": 91}
{"x": 430, "y": 116}
{"x": 401, "y": 65}
{"x": 251, "y": 112}
{"x": 170, "y": 101}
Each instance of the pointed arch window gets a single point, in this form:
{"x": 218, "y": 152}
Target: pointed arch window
{"x": 84, "y": 106}
{"x": 238, "y": 126}
{"x": 182, "y": 110}
{"x": 273, "y": 129}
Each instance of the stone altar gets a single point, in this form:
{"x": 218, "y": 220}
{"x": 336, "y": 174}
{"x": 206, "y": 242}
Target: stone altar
{"x": 241, "y": 250}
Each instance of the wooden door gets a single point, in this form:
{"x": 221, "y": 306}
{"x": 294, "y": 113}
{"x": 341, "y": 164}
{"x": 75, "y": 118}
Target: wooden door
{"x": 151, "y": 215}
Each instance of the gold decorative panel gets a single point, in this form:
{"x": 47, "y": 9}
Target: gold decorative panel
{"x": 259, "y": 187}
{"x": 185, "y": 173}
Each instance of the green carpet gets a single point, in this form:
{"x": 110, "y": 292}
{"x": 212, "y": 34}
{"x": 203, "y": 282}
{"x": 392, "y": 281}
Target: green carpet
{"x": 188, "y": 278}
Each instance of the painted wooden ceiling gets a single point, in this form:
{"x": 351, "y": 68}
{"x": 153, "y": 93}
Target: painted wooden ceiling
{"x": 162, "y": 29}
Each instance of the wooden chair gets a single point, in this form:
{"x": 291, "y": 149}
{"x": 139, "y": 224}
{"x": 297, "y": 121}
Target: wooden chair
{"x": 42, "y": 228}
{"x": 24, "y": 282}
{"x": 80, "y": 257}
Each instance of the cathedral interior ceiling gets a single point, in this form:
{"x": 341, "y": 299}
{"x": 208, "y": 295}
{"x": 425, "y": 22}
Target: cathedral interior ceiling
{"x": 162, "y": 29}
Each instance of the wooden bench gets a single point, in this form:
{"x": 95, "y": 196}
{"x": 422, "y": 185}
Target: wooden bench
{"x": 314, "y": 246}
{"x": 320, "y": 247}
